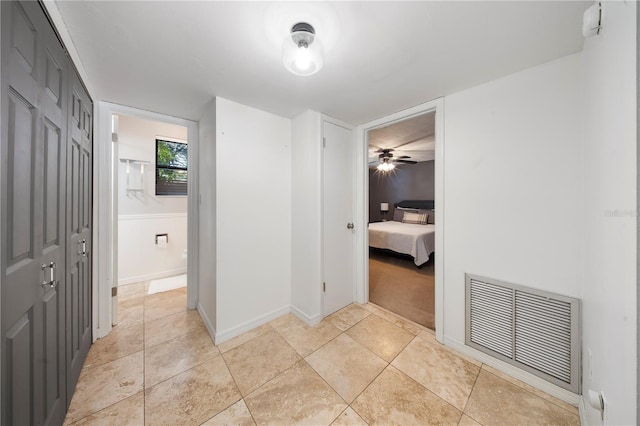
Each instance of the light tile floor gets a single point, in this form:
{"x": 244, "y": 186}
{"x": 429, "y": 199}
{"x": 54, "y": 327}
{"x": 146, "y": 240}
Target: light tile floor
{"x": 362, "y": 365}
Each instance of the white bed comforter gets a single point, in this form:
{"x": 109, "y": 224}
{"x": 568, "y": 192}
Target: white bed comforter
{"x": 407, "y": 238}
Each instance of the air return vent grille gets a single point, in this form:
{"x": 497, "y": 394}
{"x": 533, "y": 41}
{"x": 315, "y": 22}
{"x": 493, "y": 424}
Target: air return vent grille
{"x": 531, "y": 329}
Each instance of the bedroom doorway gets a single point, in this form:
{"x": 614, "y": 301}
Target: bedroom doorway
{"x": 401, "y": 228}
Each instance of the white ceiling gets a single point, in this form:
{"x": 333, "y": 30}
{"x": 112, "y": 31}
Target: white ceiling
{"x": 414, "y": 137}
{"x": 380, "y": 57}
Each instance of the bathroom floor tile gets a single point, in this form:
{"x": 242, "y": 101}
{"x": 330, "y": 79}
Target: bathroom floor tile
{"x": 348, "y": 316}
{"x": 192, "y": 397}
{"x": 467, "y": 421}
{"x": 306, "y": 338}
{"x": 177, "y": 355}
{"x": 430, "y": 337}
{"x": 297, "y": 397}
{"x": 119, "y": 343}
{"x": 498, "y": 401}
{"x": 238, "y": 415}
{"x": 259, "y": 360}
{"x": 130, "y": 291}
{"x": 244, "y": 337}
{"x": 162, "y": 304}
{"x": 368, "y": 307}
{"x": 448, "y": 376}
{"x": 170, "y": 327}
{"x": 129, "y": 411}
{"x": 282, "y": 320}
{"x": 572, "y": 409}
{"x": 102, "y": 386}
{"x": 405, "y": 324}
{"x": 349, "y": 418}
{"x": 395, "y": 399}
{"x": 346, "y": 365}
{"x": 130, "y": 312}
{"x": 161, "y": 346}
{"x": 380, "y": 336}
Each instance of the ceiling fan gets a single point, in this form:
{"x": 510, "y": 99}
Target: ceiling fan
{"x": 385, "y": 153}
{"x": 386, "y": 160}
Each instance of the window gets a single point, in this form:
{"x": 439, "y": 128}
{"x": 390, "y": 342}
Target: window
{"x": 171, "y": 168}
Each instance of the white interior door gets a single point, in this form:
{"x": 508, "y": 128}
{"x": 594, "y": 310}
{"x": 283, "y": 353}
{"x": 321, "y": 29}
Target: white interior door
{"x": 337, "y": 217}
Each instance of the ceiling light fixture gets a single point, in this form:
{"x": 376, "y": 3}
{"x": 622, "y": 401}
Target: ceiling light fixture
{"x": 386, "y": 165}
{"x": 302, "y": 50}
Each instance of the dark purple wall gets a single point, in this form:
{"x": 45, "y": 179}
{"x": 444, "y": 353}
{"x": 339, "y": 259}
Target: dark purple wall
{"x": 406, "y": 182}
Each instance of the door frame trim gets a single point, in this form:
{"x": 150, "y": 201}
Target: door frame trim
{"x": 361, "y": 259}
{"x": 105, "y": 216}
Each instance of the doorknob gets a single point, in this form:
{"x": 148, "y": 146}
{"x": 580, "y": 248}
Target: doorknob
{"x": 349, "y": 225}
{"x": 52, "y": 283}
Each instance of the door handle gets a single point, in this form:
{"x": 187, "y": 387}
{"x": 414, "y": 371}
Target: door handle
{"x": 349, "y": 225}
{"x": 52, "y": 283}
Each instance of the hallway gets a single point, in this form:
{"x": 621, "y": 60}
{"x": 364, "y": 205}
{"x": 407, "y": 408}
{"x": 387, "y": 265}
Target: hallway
{"x": 362, "y": 365}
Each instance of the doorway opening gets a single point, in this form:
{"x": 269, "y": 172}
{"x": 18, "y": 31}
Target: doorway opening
{"x": 150, "y": 170}
{"x": 418, "y": 194}
{"x": 111, "y": 185}
{"x": 401, "y": 228}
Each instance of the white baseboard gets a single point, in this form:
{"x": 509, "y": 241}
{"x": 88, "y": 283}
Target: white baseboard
{"x": 154, "y": 276}
{"x": 515, "y": 372}
{"x": 207, "y": 322}
{"x": 232, "y": 332}
{"x": 306, "y": 318}
{"x": 582, "y": 410}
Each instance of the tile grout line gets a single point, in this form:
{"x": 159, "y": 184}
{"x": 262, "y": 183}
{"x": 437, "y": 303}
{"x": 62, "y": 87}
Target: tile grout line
{"x": 466, "y": 403}
{"x": 237, "y": 387}
{"x": 428, "y": 390}
{"x": 219, "y": 353}
{"x": 366, "y": 348}
{"x": 531, "y": 392}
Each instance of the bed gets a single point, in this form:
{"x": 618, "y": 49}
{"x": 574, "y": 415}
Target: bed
{"x": 415, "y": 240}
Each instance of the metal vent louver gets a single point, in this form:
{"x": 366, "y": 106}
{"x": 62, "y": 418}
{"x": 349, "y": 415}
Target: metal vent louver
{"x": 535, "y": 330}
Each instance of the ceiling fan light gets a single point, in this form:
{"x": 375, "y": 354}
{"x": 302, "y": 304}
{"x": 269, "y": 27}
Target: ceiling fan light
{"x": 302, "y": 51}
{"x": 386, "y": 166}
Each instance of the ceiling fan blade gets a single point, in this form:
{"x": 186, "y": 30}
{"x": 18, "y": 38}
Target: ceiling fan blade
{"x": 403, "y": 156}
{"x": 384, "y": 150}
{"x": 406, "y": 161}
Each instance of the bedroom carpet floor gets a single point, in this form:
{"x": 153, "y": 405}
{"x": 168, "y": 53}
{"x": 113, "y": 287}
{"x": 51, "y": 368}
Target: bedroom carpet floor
{"x": 396, "y": 283}
{"x": 362, "y": 365}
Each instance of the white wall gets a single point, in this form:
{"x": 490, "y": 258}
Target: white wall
{"x": 139, "y": 258}
{"x": 513, "y": 175}
{"x": 207, "y": 259}
{"x": 137, "y": 140}
{"x": 609, "y": 287}
{"x": 253, "y": 203}
{"x": 306, "y": 274}
{"x": 141, "y": 217}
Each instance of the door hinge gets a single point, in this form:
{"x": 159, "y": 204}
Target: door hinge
{"x": 324, "y": 142}
{"x": 114, "y": 291}
{"x": 324, "y": 286}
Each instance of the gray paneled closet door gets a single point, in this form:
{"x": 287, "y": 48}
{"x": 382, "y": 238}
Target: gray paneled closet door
{"x": 79, "y": 185}
{"x": 36, "y": 254}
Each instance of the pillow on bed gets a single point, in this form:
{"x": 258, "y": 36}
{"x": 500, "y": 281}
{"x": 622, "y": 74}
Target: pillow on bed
{"x": 432, "y": 218}
{"x": 398, "y": 214}
{"x": 415, "y": 217}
